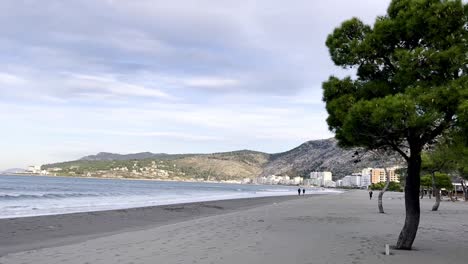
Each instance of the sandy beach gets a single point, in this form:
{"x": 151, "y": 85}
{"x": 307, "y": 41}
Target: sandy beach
{"x": 336, "y": 228}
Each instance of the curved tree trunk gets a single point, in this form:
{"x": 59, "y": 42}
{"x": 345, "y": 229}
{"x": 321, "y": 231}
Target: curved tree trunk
{"x": 387, "y": 182}
{"x": 465, "y": 192}
{"x": 436, "y": 193}
{"x": 413, "y": 181}
{"x": 435, "y": 207}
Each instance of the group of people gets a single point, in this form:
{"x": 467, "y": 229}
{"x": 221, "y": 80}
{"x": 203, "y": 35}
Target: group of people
{"x": 299, "y": 191}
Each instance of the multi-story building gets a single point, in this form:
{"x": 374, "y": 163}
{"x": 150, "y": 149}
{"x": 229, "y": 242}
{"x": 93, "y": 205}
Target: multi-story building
{"x": 366, "y": 171}
{"x": 379, "y": 175}
{"x": 365, "y": 180}
{"x": 351, "y": 180}
{"x": 297, "y": 180}
{"x": 394, "y": 177}
{"x": 34, "y": 169}
{"x": 320, "y": 178}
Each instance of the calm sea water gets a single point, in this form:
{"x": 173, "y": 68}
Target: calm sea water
{"x": 22, "y": 196}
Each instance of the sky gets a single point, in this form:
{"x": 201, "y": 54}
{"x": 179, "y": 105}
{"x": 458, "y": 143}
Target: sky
{"x": 79, "y": 77}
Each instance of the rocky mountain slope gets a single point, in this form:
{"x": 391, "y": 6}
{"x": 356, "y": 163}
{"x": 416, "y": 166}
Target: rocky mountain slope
{"x": 315, "y": 155}
{"x": 320, "y": 155}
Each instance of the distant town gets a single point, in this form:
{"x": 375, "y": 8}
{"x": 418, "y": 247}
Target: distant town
{"x": 362, "y": 179}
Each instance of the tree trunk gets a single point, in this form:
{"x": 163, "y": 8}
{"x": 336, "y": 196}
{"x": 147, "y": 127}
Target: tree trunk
{"x": 465, "y": 193}
{"x": 435, "y": 207}
{"x": 436, "y": 193}
{"x": 413, "y": 181}
{"x": 421, "y": 192}
{"x": 387, "y": 183}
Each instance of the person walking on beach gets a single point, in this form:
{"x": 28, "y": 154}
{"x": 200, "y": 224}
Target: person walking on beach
{"x": 370, "y": 194}
{"x": 303, "y": 191}
{"x": 299, "y": 191}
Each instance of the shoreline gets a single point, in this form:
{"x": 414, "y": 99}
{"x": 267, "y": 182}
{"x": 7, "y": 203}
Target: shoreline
{"x": 36, "y": 232}
{"x": 158, "y": 180}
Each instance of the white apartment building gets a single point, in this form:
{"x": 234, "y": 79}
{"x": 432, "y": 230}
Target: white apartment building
{"x": 273, "y": 180}
{"x": 34, "y": 169}
{"x": 366, "y": 180}
{"x": 346, "y": 181}
{"x": 320, "y": 178}
{"x": 351, "y": 180}
{"x": 297, "y": 180}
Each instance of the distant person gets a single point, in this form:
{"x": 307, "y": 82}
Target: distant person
{"x": 299, "y": 191}
{"x": 370, "y": 194}
{"x": 303, "y": 191}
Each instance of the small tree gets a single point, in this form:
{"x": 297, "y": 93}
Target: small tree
{"x": 384, "y": 189}
{"x": 411, "y": 85}
{"x": 437, "y": 160}
{"x": 458, "y": 145}
{"x": 385, "y": 158}
{"x": 392, "y": 186}
{"x": 437, "y": 181}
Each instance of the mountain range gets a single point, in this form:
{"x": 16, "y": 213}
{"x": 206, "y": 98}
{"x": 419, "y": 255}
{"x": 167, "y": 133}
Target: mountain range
{"x": 315, "y": 155}
{"x": 12, "y": 170}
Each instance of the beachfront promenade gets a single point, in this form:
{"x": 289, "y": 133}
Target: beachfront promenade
{"x": 339, "y": 228}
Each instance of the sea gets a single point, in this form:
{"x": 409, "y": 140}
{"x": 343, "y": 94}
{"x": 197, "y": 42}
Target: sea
{"x": 23, "y": 196}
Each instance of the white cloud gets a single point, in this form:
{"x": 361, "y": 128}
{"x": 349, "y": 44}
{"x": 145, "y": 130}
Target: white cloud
{"x": 147, "y": 134}
{"x": 11, "y": 79}
{"x": 109, "y": 84}
{"x": 211, "y": 82}
{"x": 154, "y": 73}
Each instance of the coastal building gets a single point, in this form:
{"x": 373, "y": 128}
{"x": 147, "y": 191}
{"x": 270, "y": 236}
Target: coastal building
{"x": 320, "y": 178}
{"x": 346, "y": 181}
{"x": 34, "y": 169}
{"x": 356, "y": 179}
{"x": 260, "y": 180}
{"x": 379, "y": 175}
{"x": 365, "y": 180}
{"x": 246, "y": 181}
{"x": 307, "y": 182}
{"x": 353, "y": 180}
{"x": 297, "y": 180}
{"x": 394, "y": 177}
{"x": 366, "y": 171}
{"x": 283, "y": 180}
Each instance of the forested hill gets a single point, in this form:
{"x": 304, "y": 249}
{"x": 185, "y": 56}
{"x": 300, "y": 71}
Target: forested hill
{"x": 315, "y": 155}
{"x": 103, "y": 156}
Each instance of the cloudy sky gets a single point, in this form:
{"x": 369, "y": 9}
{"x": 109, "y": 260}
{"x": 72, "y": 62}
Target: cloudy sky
{"x": 83, "y": 76}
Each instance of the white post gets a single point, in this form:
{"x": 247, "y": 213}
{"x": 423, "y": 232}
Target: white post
{"x": 387, "y": 249}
